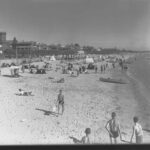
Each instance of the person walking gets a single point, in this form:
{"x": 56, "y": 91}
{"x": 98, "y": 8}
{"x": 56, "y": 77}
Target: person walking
{"x": 137, "y": 131}
{"x": 113, "y": 128}
{"x": 60, "y": 101}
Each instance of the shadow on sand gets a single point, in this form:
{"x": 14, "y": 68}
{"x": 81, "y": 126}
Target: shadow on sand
{"x": 23, "y": 95}
{"x": 10, "y": 76}
{"x": 47, "y": 113}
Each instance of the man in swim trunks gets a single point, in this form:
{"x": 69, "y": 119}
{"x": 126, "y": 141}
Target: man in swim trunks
{"x": 137, "y": 131}
{"x": 113, "y": 128}
{"x": 60, "y": 101}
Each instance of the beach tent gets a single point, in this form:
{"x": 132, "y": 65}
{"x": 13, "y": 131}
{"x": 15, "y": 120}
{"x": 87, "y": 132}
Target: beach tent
{"x": 10, "y": 71}
{"x": 53, "y": 58}
{"x": 80, "y": 52}
{"x": 14, "y": 70}
{"x": 89, "y": 60}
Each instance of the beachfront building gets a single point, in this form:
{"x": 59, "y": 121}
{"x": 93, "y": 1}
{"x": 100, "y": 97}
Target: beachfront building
{"x": 80, "y": 54}
{"x": 2, "y": 38}
{"x": 42, "y": 46}
{"x": 26, "y": 48}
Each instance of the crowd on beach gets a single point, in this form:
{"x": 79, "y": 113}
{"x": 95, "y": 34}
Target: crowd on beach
{"x": 113, "y": 125}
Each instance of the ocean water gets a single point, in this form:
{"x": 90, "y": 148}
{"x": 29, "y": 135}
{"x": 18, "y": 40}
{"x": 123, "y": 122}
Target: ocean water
{"x": 139, "y": 73}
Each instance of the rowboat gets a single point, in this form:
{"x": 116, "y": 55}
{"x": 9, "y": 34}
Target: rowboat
{"x": 119, "y": 81}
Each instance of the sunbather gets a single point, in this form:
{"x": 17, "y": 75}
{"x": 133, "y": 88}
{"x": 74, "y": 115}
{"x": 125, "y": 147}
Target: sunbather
{"x": 23, "y": 93}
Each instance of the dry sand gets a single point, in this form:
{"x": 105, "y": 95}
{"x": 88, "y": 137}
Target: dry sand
{"x": 88, "y": 103}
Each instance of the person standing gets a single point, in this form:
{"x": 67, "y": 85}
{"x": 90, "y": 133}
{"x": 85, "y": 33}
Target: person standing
{"x": 101, "y": 69}
{"x": 95, "y": 67}
{"x": 60, "y": 101}
{"x": 137, "y": 131}
{"x": 104, "y": 68}
{"x": 23, "y": 68}
{"x": 113, "y": 127}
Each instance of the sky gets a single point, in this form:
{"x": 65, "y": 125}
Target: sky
{"x": 99, "y": 23}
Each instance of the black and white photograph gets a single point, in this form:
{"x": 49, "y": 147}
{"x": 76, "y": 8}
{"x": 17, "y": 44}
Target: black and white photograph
{"x": 74, "y": 72}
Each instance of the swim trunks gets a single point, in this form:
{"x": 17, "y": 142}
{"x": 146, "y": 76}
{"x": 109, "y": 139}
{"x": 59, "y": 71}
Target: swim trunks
{"x": 115, "y": 134}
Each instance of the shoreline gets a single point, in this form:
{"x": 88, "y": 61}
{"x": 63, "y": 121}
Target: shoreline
{"x": 133, "y": 101}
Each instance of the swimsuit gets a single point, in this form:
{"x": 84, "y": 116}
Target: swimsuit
{"x": 115, "y": 134}
{"x": 61, "y": 99}
{"x": 114, "y": 129}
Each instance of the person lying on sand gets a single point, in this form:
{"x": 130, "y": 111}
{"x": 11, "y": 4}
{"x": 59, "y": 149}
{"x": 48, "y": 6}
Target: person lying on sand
{"x": 62, "y": 80}
{"x": 114, "y": 128}
{"x": 137, "y": 131}
{"x": 60, "y": 101}
{"x": 23, "y": 93}
{"x": 85, "y": 139}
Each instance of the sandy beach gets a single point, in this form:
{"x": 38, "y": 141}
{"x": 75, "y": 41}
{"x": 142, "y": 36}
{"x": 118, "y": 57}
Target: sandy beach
{"x": 88, "y": 103}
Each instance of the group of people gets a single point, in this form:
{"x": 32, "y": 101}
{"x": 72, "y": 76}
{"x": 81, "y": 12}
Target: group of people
{"x": 112, "y": 126}
{"x": 103, "y": 68}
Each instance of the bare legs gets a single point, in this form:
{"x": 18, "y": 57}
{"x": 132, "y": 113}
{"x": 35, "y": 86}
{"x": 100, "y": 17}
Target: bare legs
{"x": 62, "y": 108}
{"x": 113, "y": 139}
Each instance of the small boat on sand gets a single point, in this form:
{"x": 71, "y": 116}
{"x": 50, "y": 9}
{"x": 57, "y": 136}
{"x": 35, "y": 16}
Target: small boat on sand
{"x": 119, "y": 81}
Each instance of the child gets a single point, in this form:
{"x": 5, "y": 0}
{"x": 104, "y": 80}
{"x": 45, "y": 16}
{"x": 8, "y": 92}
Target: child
{"x": 137, "y": 131}
{"x": 85, "y": 139}
{"x": 114, "y": 128}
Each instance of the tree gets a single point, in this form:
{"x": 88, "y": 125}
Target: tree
{"x": 14, "y": 46}
{"x": 14, "y": 43}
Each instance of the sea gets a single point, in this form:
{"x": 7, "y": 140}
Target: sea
{"x": 139, "y": 76}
